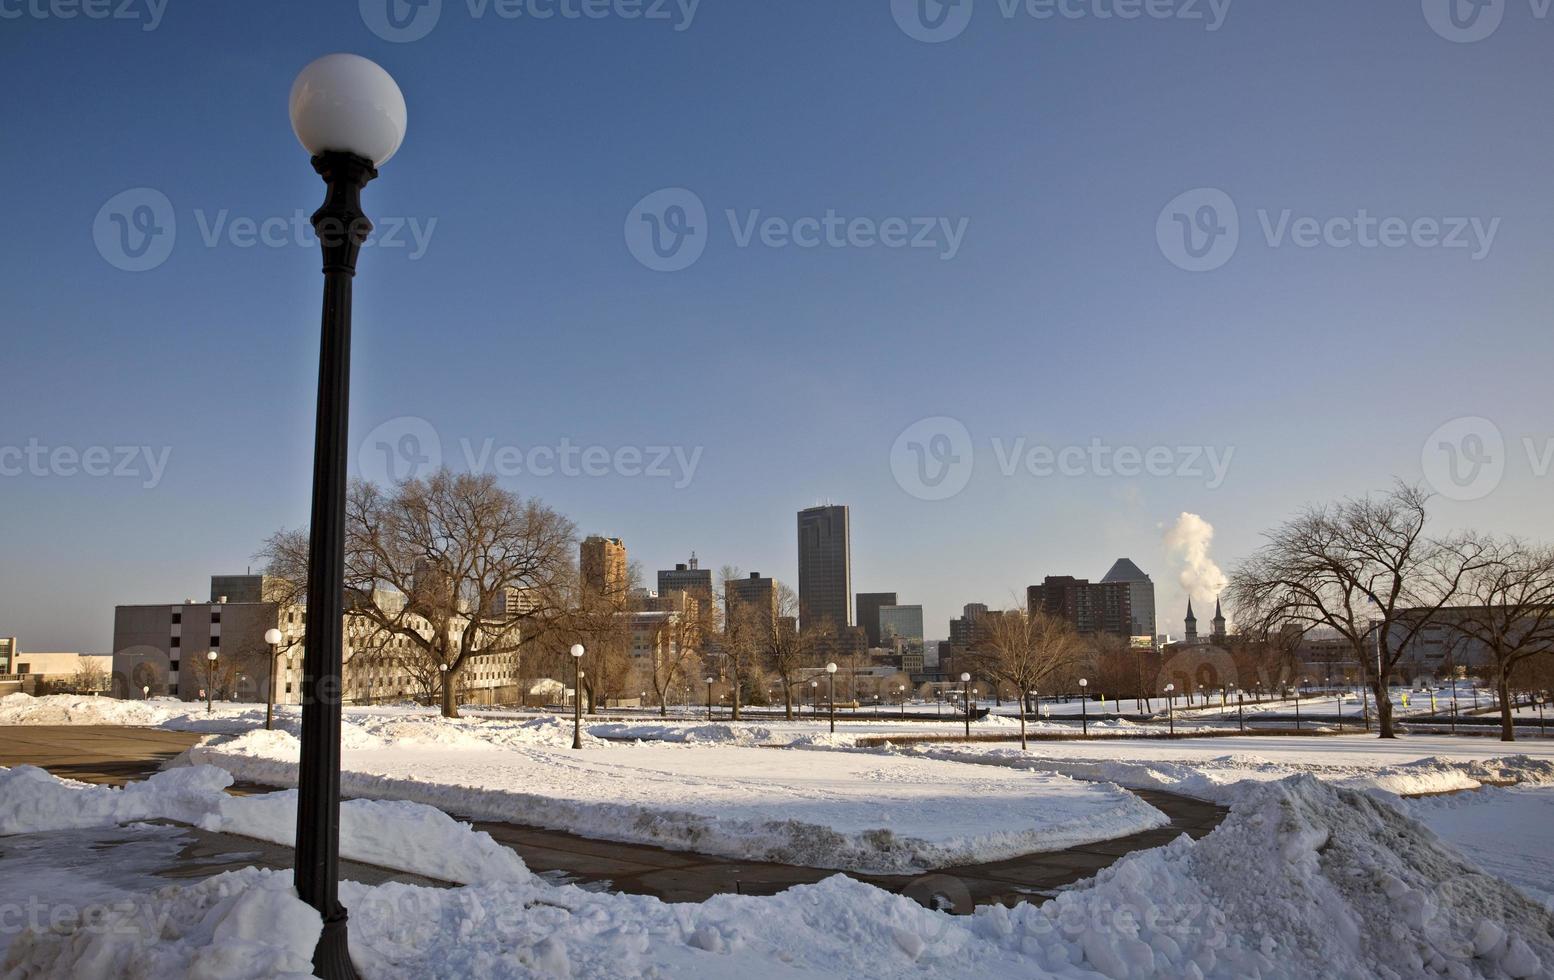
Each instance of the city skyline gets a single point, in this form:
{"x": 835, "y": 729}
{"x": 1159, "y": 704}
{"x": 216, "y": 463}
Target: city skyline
{"x": 1308, "y": 373}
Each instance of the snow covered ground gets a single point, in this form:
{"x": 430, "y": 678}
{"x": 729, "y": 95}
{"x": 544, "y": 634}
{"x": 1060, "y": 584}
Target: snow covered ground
{"x": 1306, "y": 878}
{"x": 1301, "y": 881}
{"x": 877, "y": 813}
{"x": 1220, "y": 769}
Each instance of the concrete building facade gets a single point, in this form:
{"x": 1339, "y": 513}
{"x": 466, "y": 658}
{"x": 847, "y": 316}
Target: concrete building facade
{"x": 869, "y": 604}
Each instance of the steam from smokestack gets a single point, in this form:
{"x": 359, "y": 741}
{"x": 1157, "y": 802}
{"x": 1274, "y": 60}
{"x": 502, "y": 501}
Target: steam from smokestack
{"x": 1188, "y": 542}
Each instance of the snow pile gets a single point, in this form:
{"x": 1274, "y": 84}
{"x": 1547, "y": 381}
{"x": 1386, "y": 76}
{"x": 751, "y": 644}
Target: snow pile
{"x": 850, "y": 811}
{"x": 1227, "y": 778}
{"x": 1302, "y": 880}
{"x": 373, "y": 731}
{"x": 1507, "y": 832}
{"x": 405, "y": 836}
{"x": 72, "y": 709}
{"x": 32, "y": 800}
{"x": 711, "y": 733}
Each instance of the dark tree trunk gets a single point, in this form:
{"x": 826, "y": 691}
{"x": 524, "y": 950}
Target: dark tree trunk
{"x": 1507, "y": 723}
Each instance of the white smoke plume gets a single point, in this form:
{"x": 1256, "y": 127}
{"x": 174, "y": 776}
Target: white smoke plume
{"x": 1188, "y": 543}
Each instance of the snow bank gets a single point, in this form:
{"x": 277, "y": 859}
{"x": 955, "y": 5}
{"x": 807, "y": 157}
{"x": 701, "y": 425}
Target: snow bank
{"x": 1226, "y": 779}
{"x": 850, "y": 811}
{"x": 711, "y": 733}
{"x": 405, "y": 836}
{"x": 1302, "y": 880}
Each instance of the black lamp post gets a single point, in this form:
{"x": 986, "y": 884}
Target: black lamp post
{"x": 814, "y": 697}
{"x": 210, "y": 679}
{"x": 577, "y": 695}
{"x": 1171, "y": 707}
{"x": 709, "y": 699}
{"x": 1240, "y": 711}
{"x": 965, "y": 700}
{"x": 1084, "y": 708}
{"x": 348, "y": 113}
{"x": 273, "y": 637}
{"x": 831, "y": 672}
{"x": 902, "y": 689}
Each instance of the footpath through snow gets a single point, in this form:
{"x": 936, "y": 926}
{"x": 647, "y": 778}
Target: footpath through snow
{"x": 1302, "y": 880}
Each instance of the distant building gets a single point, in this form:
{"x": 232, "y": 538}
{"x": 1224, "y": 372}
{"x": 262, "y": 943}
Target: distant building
{"x": 825, "y": 567}
{"x": 163, "y": 651}
{"x": 31, "y": 672}
{"x": 903, "y": 622}
{"x": 1217, "y": 625}
{"x": 1190, "y": 624}
{"x": 246, "y": 588}
{"x": 602, "y": 566}
{"x": 1141, "y": 595}
{"x": 1090, "y": 607}
{"x": 687, "y": 577}
{"x": 755, "y": 592}
{"x": 7, "y": 653}
{"x": 869, "y": 604}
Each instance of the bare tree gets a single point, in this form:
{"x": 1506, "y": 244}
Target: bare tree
{"x": 1508, "y": 611}
{"x": 89, "y": 677}
{"x": 433, "y": 567}
{"x": 1024, "y": 649}
{"x": 1363, "y": 568}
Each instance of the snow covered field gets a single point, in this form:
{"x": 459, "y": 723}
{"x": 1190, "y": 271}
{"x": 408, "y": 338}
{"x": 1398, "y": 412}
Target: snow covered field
{"x": 1306, "y": 877}
{"x": 1302, "y": 881}
{"x": 864, "y": 812}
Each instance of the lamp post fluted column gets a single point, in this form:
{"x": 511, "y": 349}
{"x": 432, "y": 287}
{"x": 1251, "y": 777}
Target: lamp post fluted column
{"x": 348, "y": 113}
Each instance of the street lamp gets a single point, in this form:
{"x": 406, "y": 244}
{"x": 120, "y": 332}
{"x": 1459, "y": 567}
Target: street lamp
{"x": 1084, "y": 707}
{"x": 965, "y": 700}
{"x": 709, "y": 699}
{"x": 1171, "y": 707}
{"x": 1303, "y": 682}
{"x": 350, "y": 116}
{"x": 901, "y": 689}
{"x": 145, "y": 693}
{"x": 577, "y": 695}
{"x": 273, "y": 637}
{"x": 831, "y": 670}
{"x": 210, "y": 679}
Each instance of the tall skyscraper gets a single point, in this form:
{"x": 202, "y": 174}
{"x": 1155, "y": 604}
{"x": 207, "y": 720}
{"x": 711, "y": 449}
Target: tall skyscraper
{"x": 602, "y": 565}
{"x": 869, "y": 604}
{"x": 825, "y": 567}
{"x": 1141, "y": 595}
{"x": 904, "y": 622}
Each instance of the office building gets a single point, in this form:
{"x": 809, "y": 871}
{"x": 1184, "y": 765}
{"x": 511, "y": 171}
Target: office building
{"x": 900, "y": 622}
{"x": 754, "y": 592}
{"x": 687, "y": 577}
{"x": 869, "y": 604}
{"x": 1090, "y": 607}
{"x": 825, "y": 568}
{"x": 1141, "y": 595}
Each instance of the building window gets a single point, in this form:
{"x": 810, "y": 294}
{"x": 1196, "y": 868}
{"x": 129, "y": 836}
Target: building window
{"x": 175, "y": 641}
{"x": 215, "y": 641}
{"x": 177, "y": 618}
{"x": 173, "y": 666}
{"x": 215, "y": 615}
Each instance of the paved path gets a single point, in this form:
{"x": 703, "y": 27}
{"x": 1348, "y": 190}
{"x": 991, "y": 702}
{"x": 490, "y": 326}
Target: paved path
{"x": 114, "y": 755}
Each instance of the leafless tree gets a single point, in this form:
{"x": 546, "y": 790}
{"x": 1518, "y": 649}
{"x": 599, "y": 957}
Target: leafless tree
{"x": 1363, "y": 568}
{"x": 1025, "y": 649}
{"x": 1508, "y": 611}
{"x": 431, "y": 565}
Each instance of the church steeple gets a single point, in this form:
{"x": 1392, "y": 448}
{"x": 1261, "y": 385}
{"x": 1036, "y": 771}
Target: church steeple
{"x": 1219, "y": 622}
{"x": 1192, "y": 623}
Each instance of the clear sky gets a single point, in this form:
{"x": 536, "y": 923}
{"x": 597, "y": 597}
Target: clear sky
{"x": 1039, "y": 160}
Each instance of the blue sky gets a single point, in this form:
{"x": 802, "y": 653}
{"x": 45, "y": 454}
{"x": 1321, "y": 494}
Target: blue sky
{"x": 522, "y": 318}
